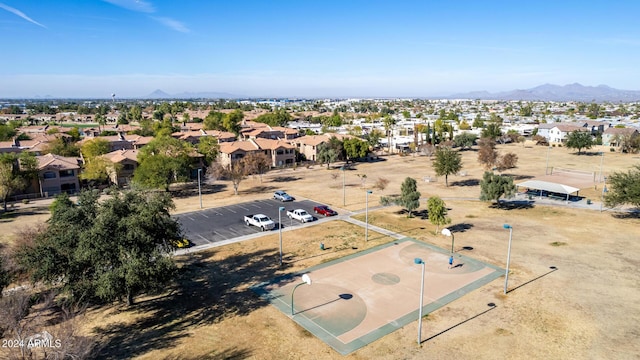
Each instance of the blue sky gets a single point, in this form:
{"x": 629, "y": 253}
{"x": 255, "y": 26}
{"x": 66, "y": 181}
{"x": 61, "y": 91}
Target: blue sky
{"x": 347, "y": 48}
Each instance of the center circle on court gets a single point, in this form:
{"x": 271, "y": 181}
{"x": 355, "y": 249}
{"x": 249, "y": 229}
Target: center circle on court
{"x": 385, "y": 278}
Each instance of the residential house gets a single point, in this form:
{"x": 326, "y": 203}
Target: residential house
{"x": 543, "y": 130}
{"x": 559, "y": 133}
{"x": 307, "y": 145}
{"x": 254, "y": 130}
{"x": 125, "y": 163}
{"x": 614, "y": 136}
{"x": 596, "y": 127}
{"x": 278, "y": 151}
{"x": 193, "y": 136}
{"x": 58, "y": 174}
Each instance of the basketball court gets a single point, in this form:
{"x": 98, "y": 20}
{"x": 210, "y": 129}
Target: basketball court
{"x": 357, "y": 299}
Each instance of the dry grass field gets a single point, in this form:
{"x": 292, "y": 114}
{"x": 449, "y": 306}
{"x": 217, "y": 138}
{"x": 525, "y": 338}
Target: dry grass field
{"x": 588, "y": 308}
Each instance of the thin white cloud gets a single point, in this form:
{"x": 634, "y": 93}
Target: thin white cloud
{"x": 172, "y": 24}
{"x": 134, "y": 5}
{"x": 20, "y": 14}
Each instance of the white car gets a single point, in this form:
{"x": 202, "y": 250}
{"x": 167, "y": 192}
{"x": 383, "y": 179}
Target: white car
{"x": 300, "y": 215}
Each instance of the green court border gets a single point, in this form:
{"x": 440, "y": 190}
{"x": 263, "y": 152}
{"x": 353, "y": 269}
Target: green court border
{"x": 345, "y": 349}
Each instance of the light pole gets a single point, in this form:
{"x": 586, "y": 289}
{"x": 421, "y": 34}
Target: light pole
{"x": 366, "y": 216}
{"x": 199, "y": 188}
{"x": 546, "y": 169}
{"x": 506, "y": 275}
{"x": 419, "y": 261}
{"x": 447, "y": 232}
{"x": 344, "y": 197}
{"x": 604, "y": 190}
{"x": 601, "y": 161}
{"x": 305, "y": 280}
{"x": 280, "y": 210}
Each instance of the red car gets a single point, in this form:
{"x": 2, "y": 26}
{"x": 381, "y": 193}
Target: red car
{"x": 324, "y": 210}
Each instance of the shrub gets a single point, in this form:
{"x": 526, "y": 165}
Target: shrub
{"x": 612, "y": 149}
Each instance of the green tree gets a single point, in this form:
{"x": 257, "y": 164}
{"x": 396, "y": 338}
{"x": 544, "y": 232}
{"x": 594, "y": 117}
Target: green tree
{"x": 447, "y": 162}
{"x": 213, "y": 121}
{"x": 94, "y": 148}
{"x": 9, "y": 182}
{"x": 232, "y": 122}
{"x": 579, "y": 140}
{"x": 209, "y": 147}
{"x": 163, "y": 161}
{"x": 478, "y": 122}
{"x": 276, "y": 118}
{"x": 437, "y": 212}
{"x": 594, "y": 111}
{"x": 409, "y": 195}
{"x": 388, "y": 122}
{"x": 624, "y": 188}
{"x": 465, "y": 140}
{"x": 6, "y": 132}
{"x": 355, "y": 148}
{"x": 326, "y": 154}
{"x": 492, "y": 131}
{"x": 493, "y": 186}
{"x": 63, "y": 148}
{"x": 109, "y": 250}
{"x": 373, "y": 137}
{"x": 99, "y": 169}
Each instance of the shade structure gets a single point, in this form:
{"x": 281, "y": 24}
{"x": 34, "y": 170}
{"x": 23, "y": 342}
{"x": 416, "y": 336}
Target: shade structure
{"x": 548, "y": 186}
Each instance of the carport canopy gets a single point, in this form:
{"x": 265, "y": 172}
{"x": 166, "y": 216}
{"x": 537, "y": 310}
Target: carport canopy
{"x": 549, "y": 186}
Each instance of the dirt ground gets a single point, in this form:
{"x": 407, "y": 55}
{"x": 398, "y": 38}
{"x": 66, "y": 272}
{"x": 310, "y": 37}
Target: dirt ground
{"x": 588, "y": 308}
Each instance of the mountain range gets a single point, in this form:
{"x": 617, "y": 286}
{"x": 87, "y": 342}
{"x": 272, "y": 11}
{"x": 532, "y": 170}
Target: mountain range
{"x": 546, "y": 92}
{"x": 550, "y": 92}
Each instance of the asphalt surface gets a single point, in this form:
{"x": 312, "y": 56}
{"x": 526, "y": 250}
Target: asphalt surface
{"x": 208, "y": 226}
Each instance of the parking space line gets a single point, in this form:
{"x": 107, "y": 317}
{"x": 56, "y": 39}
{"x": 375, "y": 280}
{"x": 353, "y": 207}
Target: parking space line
{"x": 204, "y": 238}
{"x": 231, "y": 211}
{"x": 190, "y": 218}
{"x": 243, "y": 208}
{"x": 204, "y": 215}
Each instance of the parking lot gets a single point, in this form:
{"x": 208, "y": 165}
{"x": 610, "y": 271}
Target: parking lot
{"x": 223, "y": 223}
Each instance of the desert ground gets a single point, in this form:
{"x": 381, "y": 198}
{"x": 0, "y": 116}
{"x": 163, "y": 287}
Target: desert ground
{"x": 588, "y": 308}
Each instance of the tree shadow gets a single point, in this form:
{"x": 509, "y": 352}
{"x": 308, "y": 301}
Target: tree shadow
{"x": 513, "y": 205}
{"x": 632, "y": 214}
{"x": 522, "y": 177}
{"x": 258, "y": 189}
{"x": 460, "y": 228}
{"x": 285, "y": 178}
{"x": 467, "y": 182}
{"x": 226, "y": 354}
{"x": 192, "y": 190}
{"x": 13, "y": 214}
{"x": 205, "y": 292}
{"x": 422, "y": 214}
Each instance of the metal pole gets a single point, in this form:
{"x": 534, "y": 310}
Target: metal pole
{"x": 420, "y": 309}
{"x": 366, "y": 218}
{"x": 601, "y": 161}
{"x": 280, "y": 233}
{"x": 452, "y": 239}
{"x": 604, "y": 189}
{"x": 344, "y": 198}
{"x": 546, "y": 169}
{"x": 294, "y": 290}
{"x": 506, "y": 276}
{"x": 199, "y": 188}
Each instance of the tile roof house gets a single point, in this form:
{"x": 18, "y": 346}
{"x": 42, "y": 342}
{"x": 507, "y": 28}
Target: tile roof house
{"x": 280, "y": 152}
{"x": 58, "y": 174}
{"x": 128, "y": 163}
{"x": 308, "y": 145}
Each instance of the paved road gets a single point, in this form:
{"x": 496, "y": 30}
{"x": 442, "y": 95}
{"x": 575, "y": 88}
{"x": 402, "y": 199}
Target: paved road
{"x": 213, "y": 225}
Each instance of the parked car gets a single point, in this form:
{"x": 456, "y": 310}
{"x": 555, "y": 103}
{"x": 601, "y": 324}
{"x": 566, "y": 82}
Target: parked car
{"x": 282, "y": 196}
{"x": 300, "y": 215}
{"x": 181, "y": 243}
{"x": 324, "y": 210}
{"x": 259, "y": 220}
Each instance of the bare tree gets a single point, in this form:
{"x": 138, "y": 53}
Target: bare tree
{"x": 507, "y": 161}
{"x": 256, "y": 164}
{"x": 234, "y": 172}
{"x": 487, "y": 154}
